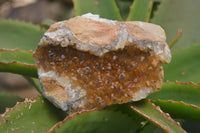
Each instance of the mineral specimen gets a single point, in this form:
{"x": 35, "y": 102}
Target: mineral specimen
{"x": 89, "y": 62}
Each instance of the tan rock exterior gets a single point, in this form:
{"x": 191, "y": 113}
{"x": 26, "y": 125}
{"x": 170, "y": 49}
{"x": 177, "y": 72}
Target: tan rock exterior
{"x": 88, "y": 62}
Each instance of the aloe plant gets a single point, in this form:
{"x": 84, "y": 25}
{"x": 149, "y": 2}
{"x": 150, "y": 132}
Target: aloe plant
{"x": 159, "y": 112}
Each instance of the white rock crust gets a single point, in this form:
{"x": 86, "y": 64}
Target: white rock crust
{"x": 96, "y": 17}
{"x": 74, "y": 94}
{"x": 142, "y": 93}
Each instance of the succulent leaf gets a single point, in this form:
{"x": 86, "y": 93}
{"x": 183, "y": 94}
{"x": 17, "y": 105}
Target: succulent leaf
{"x": 18, "y": 55}
{"x": 119, "y": 118}
{"x": 179, "y": 110}
{"x": 17, "y": 61}
{"x": 8, "y": 101}
{"x": 36, "y": 115}
{"x": 105, "y": 8}
{"x": 16, "y": 34}
{"x": 145, "y": 125}
{"x": 176, "y": 91}
{"x": 179, "y": 14}
{"x": 181, "y": 100}
{"x": 140, "y": 10}
{"x": 104, "y": 121}
{"x": 149, "y": 127}
{"x": 155, "y": 115}
{"x": 184, "y": 65}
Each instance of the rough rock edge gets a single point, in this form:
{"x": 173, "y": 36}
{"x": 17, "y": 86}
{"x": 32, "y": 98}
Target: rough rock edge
{"x": 66, "y": 105}
{"x": 61, "y": 35}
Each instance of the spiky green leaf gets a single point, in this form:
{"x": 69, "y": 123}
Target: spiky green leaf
{"x": 184, "y": 65}
{"x": 156, "y": 116}
{"x": 36, "y": 116}
{"x": 16, "y": 34}
{"x": 17, "y": 55}
{"x": 181, "y": 100}
{"x": 186, "y": 92}
{"x": 8, "y": 101}
{"x": 179, "y": 14}
{"x": 140, "y": 10}
{"x": 104, "y": 121}
{"x": 145, "y": 125}
{"x": 179, "y": 110}
{"x": 17, "y": 61}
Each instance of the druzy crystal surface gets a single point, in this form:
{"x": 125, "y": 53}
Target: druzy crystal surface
{"x": 88, "y": 62}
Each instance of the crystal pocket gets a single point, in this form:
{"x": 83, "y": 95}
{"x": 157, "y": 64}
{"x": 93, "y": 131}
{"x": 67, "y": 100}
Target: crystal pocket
{"x": 89, "y": 63}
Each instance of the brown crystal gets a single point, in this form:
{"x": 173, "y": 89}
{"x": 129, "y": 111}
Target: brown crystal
{"x": 76, "y": 80}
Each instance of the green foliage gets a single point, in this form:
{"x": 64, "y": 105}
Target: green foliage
{"x": 140, "y": 10}
{"x": 98, "y": 7}
{"x": 181, "y": 100}
{"x": 187, "y": 93}
{"x": 17, "y": 61}
{"x": 138, "y": 119}
{"x": 156, "y": 116}
{"x": 19, "y": 69}
{"x": 104, "y": 121}
{"x": 184, "y": 65}
{"x": 119, "y": 119}
{"x": 8, "y": 101}
{"x": 15, "y": 34}
{"x": 149, "y": 127}
{"x": 124, "y": 7}
{"x": 125, "y": 109}
{"x": 36, "y": 115}
{"x": 179, "y": 14}
{"x": 179, "y": 110}
{"x": 16, "y": 55}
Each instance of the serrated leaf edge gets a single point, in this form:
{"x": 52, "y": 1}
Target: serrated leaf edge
{"x": 183, "y": 83}
{"x": 8, "y": 110}
{"x": 16, "y": 49}
{"x": 21, "y": 21}
{"x": 176, "y": 102}
{"x": 16, "y": 62}
{"x": 166, "y": 115}
{"x": 57, "y": 125}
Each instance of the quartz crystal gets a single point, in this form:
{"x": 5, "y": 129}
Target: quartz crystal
{"x": 88, "y": 62}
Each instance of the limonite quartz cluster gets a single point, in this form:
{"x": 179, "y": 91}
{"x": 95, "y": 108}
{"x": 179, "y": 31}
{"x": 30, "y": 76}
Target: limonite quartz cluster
{"x": 88, "y": 62}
